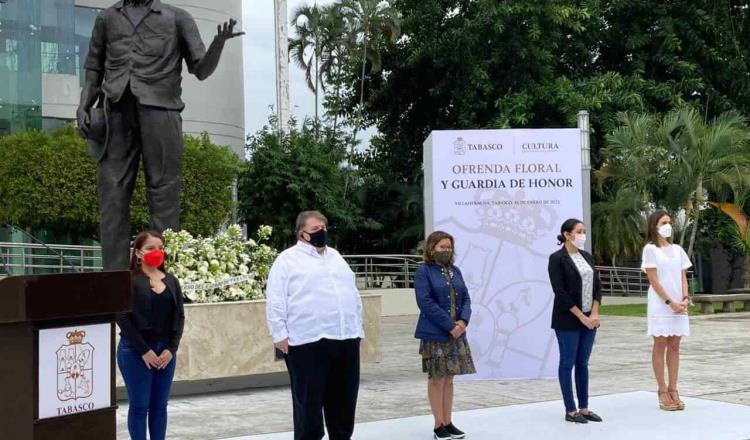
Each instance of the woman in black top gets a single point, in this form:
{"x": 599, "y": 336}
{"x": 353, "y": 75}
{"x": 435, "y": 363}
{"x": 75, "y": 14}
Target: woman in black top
{"x": 575, "y": 316}
{"x": 150, "y": 335}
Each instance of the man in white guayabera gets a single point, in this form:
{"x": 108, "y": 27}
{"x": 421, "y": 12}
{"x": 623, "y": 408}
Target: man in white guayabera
{"x": 314, "y": 315}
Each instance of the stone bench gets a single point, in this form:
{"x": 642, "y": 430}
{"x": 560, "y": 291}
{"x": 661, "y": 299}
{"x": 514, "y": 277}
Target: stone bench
{"x": 728, "y": 302}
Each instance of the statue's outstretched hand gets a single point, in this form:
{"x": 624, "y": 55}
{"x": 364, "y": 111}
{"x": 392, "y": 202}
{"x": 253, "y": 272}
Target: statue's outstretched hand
{"x": 226, "y": 31}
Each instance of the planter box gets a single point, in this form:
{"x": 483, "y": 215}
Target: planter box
{"x": 227, "y": 346}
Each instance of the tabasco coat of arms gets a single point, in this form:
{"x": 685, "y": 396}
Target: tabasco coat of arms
{"x": 75, "y": 368}
{"x": 459, "y": 146}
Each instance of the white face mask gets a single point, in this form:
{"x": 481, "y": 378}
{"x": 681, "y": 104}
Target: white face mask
{"x": 580, "y": 241}
{"x": 665, "y": 231}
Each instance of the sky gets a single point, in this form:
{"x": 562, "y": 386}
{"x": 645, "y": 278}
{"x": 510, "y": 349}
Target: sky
{"x": 260, "y": 73}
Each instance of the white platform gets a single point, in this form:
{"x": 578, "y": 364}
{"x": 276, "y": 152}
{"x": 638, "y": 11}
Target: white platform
{"x": 628, "y": 416}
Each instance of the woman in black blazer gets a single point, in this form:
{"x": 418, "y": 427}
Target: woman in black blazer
{"x": 575, "y": 316}
{"x": 150, "y": 334}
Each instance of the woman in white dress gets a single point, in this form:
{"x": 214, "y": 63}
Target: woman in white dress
{"x": 666, "y": 265}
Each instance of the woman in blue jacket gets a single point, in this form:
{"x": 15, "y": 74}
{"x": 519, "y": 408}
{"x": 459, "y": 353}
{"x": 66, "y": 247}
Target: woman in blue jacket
{"x": 445, "y": 309}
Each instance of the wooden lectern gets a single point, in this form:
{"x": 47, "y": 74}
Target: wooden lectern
{"x": 57, "y": 371}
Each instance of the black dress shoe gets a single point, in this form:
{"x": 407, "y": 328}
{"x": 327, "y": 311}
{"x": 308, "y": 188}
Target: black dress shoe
{"x": 454, "y": 432}
{"x": 575, "y": 418}
{"x": 591, "y": 416}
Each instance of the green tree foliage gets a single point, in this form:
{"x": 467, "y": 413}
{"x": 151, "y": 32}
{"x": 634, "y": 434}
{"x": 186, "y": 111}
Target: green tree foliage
{"x": 621, "y": 217}
{"x": 473, "y": 64}
{"x": 734, "y": 231}
{"x": 306, "y": 48}
{"x": 683, "y": 50}
{"x": 529, "y": 63}
{"x": 209, "y": 171}
{"x": 677, "y": 161}
{"x": 297, "y": 172}
{"x": 49, "y": 182}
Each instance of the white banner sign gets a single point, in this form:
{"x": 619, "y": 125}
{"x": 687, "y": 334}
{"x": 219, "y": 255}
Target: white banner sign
{"x": 190, "y": 287}
{"x": 74, "y": 369}
{"x": 503, "y": 195}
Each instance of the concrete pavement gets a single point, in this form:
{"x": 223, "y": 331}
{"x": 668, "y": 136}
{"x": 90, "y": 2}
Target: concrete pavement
{"x": 715, "y": 365}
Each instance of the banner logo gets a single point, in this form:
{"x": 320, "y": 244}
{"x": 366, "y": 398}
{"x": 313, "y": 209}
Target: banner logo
{"x": 459, "y": 146}
{"x": 540, "y": 147}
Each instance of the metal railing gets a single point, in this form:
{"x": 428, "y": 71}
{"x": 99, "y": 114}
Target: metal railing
{"x": 629, "y": 281}
{"x": 623, "y": 281}
{"x": 384, "y": 271}
{"x": 372, "y": 271}
{"x": 27, "y": 258}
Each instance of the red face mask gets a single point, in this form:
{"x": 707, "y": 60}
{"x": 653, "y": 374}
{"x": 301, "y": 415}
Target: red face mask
{"x": 154, "y": 258}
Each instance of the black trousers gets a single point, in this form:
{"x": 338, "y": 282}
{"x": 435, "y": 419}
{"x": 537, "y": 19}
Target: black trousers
{"x": 138, "y": 131}
{"x": 325, "y": 382}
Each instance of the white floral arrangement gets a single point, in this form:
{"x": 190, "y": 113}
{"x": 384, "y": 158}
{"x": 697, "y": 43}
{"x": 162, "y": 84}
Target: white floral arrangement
{"x": 225, "y": 267}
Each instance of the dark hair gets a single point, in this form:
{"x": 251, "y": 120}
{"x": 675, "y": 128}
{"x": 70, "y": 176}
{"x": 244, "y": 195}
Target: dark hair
{"x": 652, "y": 230}
{"x": 567, "y": 226}
{"x": 135, "y": 264}
{"x": 432, "y": 241}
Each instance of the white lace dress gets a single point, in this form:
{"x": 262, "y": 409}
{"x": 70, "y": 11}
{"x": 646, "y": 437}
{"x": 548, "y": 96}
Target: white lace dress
{"x": 669, "y": 262}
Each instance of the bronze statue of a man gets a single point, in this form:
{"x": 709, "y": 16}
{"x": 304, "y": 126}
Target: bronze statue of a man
{"x": 134, "y": 70}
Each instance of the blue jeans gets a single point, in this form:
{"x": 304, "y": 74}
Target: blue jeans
{"x": 575, "y": 350}
{"x": 148, "y": 391}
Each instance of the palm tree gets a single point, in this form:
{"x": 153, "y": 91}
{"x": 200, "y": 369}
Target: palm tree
{"x": 306, "y": 47}
{"x": 677, "y": 160}
{"x": 739, "y": 234}
{"x": 636, "y": 159}
{"x": 708, "y": 156}
{"x": 619, "y": 222}
{"x": 367, "y": 19}
{"x": 337, "y": 42}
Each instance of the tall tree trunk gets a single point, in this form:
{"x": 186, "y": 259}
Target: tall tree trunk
{"x": 696, "y": 208}
{"x": 683, "y": 234}
{"x": 361, "y": 105}
{"x": 336, "y": 112}
{"x": 361, "y": 90}
{"x": 746, "y": 275}
{"x": 317, "y": 86}
{"x": 364, "y": 62}
{"x": 338, "y": 98}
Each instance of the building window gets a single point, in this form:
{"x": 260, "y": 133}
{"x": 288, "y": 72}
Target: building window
{"x": 84, "y": 24}
{"x": 38, "y": 37}
{"x": 20, "y": 66}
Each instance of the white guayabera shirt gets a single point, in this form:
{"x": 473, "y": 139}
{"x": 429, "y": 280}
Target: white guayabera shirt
{"x": 310, "y": 297}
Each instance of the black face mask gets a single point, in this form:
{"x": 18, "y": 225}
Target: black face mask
{"x": 443, "y": 257}
{"x": 319, "y": 238}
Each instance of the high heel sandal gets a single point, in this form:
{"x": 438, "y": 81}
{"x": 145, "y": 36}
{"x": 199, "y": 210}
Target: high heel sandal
{"x": 666, "y": 404}
{"x": 679, "y": 403}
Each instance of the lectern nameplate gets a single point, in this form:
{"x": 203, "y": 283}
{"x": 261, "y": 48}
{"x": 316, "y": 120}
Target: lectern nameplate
{"x": 74, "y": 369}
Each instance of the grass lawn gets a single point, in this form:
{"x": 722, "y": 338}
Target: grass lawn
{"x": 640, "y": 310}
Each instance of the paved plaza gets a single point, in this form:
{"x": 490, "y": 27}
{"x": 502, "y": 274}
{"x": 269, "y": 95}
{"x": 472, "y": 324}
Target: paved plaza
{"x": 635, "y": 419}
{"x": 715, "y": 367}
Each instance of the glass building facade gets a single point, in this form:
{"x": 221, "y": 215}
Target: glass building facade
{"x": 41, "y": 42}
{"x": 38, "y": 38}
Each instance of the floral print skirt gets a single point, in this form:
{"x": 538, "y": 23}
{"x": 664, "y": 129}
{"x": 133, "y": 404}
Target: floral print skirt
{"x": 449, "y": 358}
